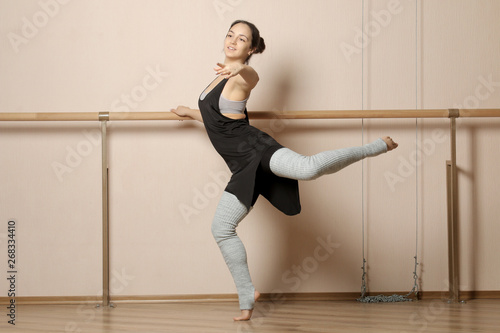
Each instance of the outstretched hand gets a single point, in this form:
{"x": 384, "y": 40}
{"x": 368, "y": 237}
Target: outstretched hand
{"x": 228, "y": 71}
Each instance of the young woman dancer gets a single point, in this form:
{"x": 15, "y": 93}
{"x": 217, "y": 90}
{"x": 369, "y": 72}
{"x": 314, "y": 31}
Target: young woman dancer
{"x": 259, "y": 164}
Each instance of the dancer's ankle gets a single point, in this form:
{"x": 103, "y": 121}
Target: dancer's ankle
{"x": 375, "y": 148}
{"x": 247, "y": 314}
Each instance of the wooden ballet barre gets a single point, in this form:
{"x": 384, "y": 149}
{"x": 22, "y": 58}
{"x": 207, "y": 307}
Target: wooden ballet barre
{"x": 327, "y": 114}
{"x": 464, "y": 113}
{"x": 50, "y": 116}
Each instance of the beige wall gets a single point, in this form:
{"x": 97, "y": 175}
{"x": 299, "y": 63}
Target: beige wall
{"x": 89, "y": 55}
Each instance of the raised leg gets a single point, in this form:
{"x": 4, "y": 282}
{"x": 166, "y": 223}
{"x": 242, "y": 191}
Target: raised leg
{"x": 289, "y": 164}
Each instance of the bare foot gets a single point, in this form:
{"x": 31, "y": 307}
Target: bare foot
{"x": 247, "y": 314}
{"x": 390, "y": 143}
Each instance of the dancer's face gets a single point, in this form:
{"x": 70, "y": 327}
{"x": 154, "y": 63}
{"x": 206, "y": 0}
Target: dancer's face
{"x": 238, "y": 42}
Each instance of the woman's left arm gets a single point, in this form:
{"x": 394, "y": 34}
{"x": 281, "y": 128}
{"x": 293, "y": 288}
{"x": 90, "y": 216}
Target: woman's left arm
{"x": 249, "y": 77}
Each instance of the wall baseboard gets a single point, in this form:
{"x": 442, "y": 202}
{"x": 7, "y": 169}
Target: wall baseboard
{"x": 340, "y": 296}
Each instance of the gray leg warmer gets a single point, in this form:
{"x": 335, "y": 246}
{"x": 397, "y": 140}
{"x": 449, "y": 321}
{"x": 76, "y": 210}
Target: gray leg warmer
{"x": 288, "y": 164}
{"x": 229, "y": 213}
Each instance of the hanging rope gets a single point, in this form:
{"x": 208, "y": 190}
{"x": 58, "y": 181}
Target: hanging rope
{"x": 415, "y": 275}
{"x": 392, "y": 298}
{"x": 363, "y": 277}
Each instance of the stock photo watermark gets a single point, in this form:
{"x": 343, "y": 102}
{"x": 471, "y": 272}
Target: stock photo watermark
{"x": 302, "y": 272}
{"x": 483, "y": 91}
{"x": 408, "y": 164}
{"x": 11, "y": 271}
{"x": 75, "y": 155}
{"x": 87, "y": 312}
{"x": 31, "y": 26}
{"x": 293, "y": 278}
{"x": 153, "y": 78}
{"x": 363, "y": 37}
{"x": 224, "y": 6}
{"x": 202, "y": 196}
{"x": 424, "y": 317}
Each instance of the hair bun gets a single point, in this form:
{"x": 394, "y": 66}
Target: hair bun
{"x": 261, "y": 46}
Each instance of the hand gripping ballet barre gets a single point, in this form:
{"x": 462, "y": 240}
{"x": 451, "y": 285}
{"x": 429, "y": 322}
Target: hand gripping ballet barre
{"x": 451, "y": 166}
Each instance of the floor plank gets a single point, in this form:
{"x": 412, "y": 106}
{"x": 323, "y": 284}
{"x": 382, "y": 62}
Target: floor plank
{"x": 290, "y": 316}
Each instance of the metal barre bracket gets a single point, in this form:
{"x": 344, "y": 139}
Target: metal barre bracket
{"x": 453, "y": 113}
{"x": 103, "y": 116}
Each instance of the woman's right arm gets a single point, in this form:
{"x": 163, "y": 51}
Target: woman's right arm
{"x": 184, "y": 111}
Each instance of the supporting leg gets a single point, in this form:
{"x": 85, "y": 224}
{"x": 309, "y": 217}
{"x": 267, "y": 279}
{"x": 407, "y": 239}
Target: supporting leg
{"x": 228, "y": 215}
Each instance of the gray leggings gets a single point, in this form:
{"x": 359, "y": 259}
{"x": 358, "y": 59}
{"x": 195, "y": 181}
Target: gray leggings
{"x": 288, "y": 164}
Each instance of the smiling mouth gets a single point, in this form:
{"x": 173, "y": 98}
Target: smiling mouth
{"x": 231, "y": 48}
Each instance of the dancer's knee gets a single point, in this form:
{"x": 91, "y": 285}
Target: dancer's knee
{"x": 219, "y": 231}
{"x": 215, "y": 231}
{"x": 307, "y": 168}
{"x": 310, "y": 173}
{"x": 228, "y": 215}
{"x": 222, "y": 229}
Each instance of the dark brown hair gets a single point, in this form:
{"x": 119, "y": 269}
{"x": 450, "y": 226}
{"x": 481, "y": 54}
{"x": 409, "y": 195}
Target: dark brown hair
{"x": 258, "y": 45}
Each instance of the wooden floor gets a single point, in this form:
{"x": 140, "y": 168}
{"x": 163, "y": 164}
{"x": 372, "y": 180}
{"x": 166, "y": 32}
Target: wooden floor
{"x": 299, "y": 316}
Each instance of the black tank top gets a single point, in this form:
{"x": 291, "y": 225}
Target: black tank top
{"x": 247, "y": 152}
